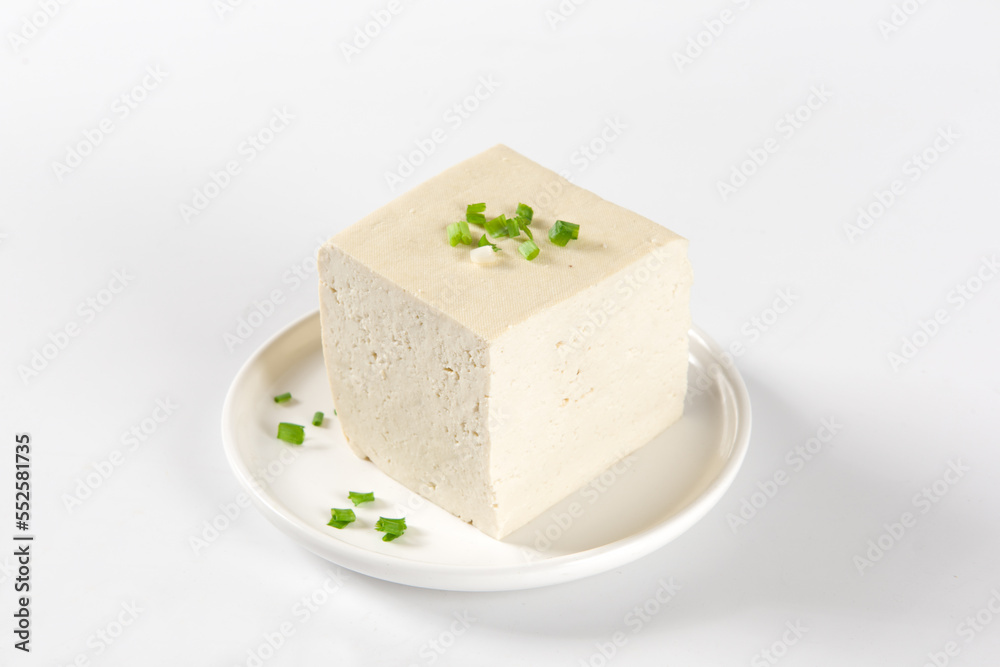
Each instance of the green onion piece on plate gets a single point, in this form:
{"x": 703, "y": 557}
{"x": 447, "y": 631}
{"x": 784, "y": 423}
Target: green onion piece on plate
{"x": 291, "y": 433}
{"x": 317, "y": 419}
{"x": 392, "y": 528}
{"x": 357, "y": 497}
{"x": 526, "y": 212}
{"x": 528, "y": 250}
{"x": 283, "y": 398}
{"x": 340, "y": 518}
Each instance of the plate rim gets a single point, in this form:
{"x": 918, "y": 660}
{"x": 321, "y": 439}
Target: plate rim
{"x": 531, "y": 574}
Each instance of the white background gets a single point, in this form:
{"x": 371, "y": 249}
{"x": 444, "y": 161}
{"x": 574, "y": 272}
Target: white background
{"x": 685, "y": 128}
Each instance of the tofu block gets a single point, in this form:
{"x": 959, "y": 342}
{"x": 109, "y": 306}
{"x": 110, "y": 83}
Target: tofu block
{"x": 496, "y": 390}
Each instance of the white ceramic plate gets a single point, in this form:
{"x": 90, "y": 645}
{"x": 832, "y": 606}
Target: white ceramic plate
{"x": 629, "y": 511}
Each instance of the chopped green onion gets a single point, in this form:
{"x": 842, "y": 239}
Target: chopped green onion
{"x": 513, "y": 230}
{"x": 317, "y": 419}
{"x": 528, "y": 250}
{"x": 454, "y": 234}
{"x": 458, "y": 232}
{"x": 340, "y": 518}
{"x": 563, "y": 231}
{"x": 474, "y": 214}
{"x": 283, "y": 398}
{"x": 569, "y": 225}
{"x": 291, "y": 433}
{"x": 357, "y": 498}
{"x": 483, "y": 241}
{"x": 523, "y": 224}
{"x": 335, "y": 412}
{"x": 559, "y": 237}
{"x": 526, "y": 212}
{"x": 392, "y": 528}
{"x": 497, "y": 226}
{"x": 466, "y": 234}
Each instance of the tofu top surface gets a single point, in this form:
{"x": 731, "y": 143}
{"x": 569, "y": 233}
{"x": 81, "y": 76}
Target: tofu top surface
{"x": 406, "y": 241}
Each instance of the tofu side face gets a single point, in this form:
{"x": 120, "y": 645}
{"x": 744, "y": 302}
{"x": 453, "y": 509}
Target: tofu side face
{"x": 410, "y": 386}
{"x": 587, "y": 382}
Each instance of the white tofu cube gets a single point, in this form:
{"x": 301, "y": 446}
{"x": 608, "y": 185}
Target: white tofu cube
{"x": 497, "y": 390}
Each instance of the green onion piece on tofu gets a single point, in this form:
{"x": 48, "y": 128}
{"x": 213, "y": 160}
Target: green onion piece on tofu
{"x": 357, "y": 498}
{"x": 458, "y": 232}
{"x": 526, "y": 212}
{"x": 563, "y": 231}
{"x": 392, "y": 528}
{"x": 283, "y": 398}
{"x": 474, "y": 214}
{"x": 317, "y": 419}
{"x": 497, "y": 226}
{"x": 523, "y": 224}
{"x": 528, "y": 250}
{"x": 340, "y": 518}
{"x": 335, "y": 412}
{"x": 291, "y": 433}
{"x": 560, "y": 236}
{"x": 513, "y": 230}
{"x": 454, "y": 234}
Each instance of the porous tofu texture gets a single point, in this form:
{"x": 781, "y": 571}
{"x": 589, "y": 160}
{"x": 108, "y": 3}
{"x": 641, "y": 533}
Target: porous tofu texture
{"x": 495, "y": 391}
